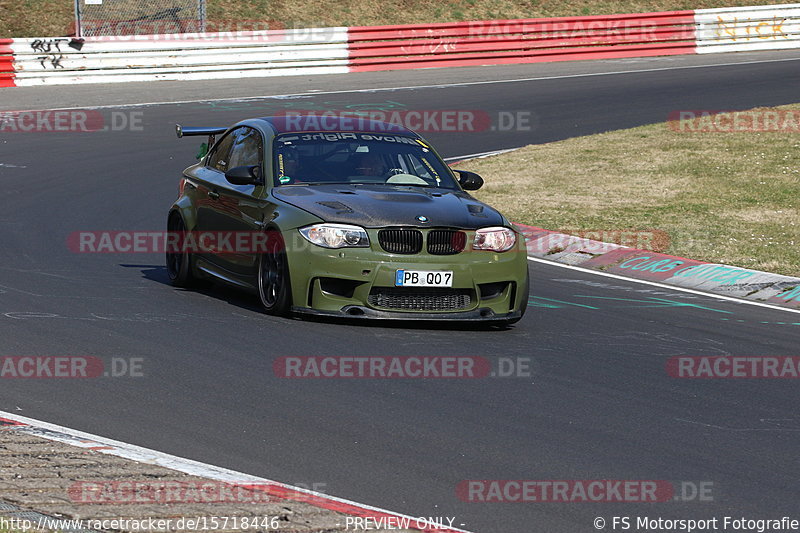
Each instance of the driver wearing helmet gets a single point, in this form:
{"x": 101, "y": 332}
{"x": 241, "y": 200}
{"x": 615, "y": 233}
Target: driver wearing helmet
{"x": 369, "y": 164}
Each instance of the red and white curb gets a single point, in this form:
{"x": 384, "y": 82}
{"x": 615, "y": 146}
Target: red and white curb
{"x": 283, "y": 491}
{"x": 714, "y": 279}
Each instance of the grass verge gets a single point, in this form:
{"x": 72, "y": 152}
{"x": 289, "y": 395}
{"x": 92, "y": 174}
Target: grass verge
{"x": 722, "y": 197}
{"x": 45, "y": 18}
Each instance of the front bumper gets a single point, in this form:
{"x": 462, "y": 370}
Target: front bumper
{"x": 360, "y": 283}
{"x": 483, "y": 315}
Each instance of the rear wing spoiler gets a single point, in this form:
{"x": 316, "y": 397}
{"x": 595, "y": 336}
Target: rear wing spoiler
{"x": 190, "y": 132}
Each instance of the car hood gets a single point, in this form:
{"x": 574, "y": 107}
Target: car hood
{"x": 386, "y": 205}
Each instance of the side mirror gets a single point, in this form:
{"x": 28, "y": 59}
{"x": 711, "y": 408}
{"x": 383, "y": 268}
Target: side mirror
{"x": 469, "y": 181}
{"x": 244, "y": 175}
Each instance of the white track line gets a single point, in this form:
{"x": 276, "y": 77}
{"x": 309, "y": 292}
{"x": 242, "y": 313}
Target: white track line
{"x": 435, "y": 86}
{"x": 663, "y": 285}
{"x": 139, "y": 454}
{"x": 481, "y": 154}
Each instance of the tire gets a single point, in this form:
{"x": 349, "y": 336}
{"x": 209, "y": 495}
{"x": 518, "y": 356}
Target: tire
{"x": 274, "y": 285}
{"x": 180, "y": 265}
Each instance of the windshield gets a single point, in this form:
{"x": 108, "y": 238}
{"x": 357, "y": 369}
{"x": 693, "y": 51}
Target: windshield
{"x": 358, "y": 158}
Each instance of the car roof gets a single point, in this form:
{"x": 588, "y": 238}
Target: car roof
{"x": 308, "y": 122}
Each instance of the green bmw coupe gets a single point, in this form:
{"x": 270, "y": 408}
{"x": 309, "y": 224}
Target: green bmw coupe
{"x": 344, "y": 217}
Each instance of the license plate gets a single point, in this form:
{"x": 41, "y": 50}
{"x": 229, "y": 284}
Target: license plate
{"x": 423, "y": 278}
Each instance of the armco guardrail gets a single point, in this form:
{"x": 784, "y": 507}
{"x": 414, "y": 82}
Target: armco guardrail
{"x": 180, "y": 56}
{"x": 521, "y": 41}
{"x": 366, "y": 48}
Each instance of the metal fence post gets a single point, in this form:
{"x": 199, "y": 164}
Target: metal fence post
{"x": 78, "y": 29}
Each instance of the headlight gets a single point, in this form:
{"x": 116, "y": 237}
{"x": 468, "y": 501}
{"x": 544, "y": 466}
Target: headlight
{"x": 495, "y": 239}
{"x": 336, "y": 235}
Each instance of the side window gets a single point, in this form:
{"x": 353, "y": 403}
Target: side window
{"x": 218, "y": 158}
{"x": 247, "y": 148}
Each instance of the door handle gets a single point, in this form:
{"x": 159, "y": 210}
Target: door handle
{"x": 213, "y": 194}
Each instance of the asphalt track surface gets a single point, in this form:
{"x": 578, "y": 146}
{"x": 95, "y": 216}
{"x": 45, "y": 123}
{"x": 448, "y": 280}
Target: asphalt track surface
{"x": 599, "y": 404}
